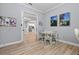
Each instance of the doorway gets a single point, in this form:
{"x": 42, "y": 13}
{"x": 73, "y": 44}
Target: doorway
{"x": 29, "y": 27}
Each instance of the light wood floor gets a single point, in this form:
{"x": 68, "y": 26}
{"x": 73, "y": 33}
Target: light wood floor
{"x": 31, "y": 46}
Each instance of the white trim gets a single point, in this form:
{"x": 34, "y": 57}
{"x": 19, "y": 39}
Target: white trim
{"x": 22, "y": 13}
{"x": 22, "y": 26}
{"x": 59, "y": 5}
{"x": 30, "y": 7}
{"x": 37, "y": 36}
{"x": 68, "y": 43}
{"x": 30, "y": 12}
{"x": 11, "y": 43}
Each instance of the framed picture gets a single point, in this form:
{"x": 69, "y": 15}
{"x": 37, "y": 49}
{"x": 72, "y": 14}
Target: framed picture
{"x": 13, "y": 22}
{"x": 64, "y": 19}
{"x": 7, "y": 21}
{"x": 54, "y": 20}
{"x": 2, "y": 21}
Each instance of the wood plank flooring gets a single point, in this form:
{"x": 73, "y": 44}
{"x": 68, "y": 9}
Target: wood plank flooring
{"x": 31, "y": 46}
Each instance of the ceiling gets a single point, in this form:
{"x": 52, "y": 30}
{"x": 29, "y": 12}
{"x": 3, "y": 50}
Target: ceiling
{"x": 44, "y": 6}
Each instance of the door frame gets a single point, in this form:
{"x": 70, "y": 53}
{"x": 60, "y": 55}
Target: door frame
{"x": 22, "y": 20}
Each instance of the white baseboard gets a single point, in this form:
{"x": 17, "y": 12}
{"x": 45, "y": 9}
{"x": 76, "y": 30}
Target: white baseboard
{"x": 69, "y": 43}
{"x": 11, "y": 43}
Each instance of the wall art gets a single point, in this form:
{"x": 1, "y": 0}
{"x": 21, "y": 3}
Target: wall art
{"x": 7, "y": 21}
{"x": 53, "y": 21}
{"x": 64, "y": 19}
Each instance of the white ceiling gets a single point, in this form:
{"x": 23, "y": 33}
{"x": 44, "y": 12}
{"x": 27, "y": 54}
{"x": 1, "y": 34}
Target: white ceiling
{"x": 44, "y": 6}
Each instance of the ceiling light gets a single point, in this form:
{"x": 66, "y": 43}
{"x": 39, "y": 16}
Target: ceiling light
{"x": 30, "y": 3}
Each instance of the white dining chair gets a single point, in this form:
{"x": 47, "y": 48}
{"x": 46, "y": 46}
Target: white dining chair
{"x": 76, "y": 33}
{"x": 50, "y": 37}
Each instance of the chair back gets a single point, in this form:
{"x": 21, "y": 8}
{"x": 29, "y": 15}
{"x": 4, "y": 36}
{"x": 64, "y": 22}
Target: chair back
{"x": 76, "y": 33}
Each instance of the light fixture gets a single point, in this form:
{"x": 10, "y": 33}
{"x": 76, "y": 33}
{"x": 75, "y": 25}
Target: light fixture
{"x": 30, "y": 3}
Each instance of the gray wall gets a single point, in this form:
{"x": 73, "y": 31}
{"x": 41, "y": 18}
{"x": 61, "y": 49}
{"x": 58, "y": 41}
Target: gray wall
{"x": 10, "y": 34}
{"x": 13, "y": 34}
{"x": 65, "y": 33}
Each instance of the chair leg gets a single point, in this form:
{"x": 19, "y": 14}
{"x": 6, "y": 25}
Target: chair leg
{"x": 53, "y": 44}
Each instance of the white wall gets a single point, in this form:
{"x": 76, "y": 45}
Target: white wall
{"x": 13, "y": 34}
{"x": 66, "y": 33}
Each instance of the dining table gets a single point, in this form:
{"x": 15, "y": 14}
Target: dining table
{"x": 49, "y": 36}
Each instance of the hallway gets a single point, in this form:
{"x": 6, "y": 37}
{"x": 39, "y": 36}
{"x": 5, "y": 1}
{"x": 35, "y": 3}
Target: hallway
{"x": 29, "y": 37}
